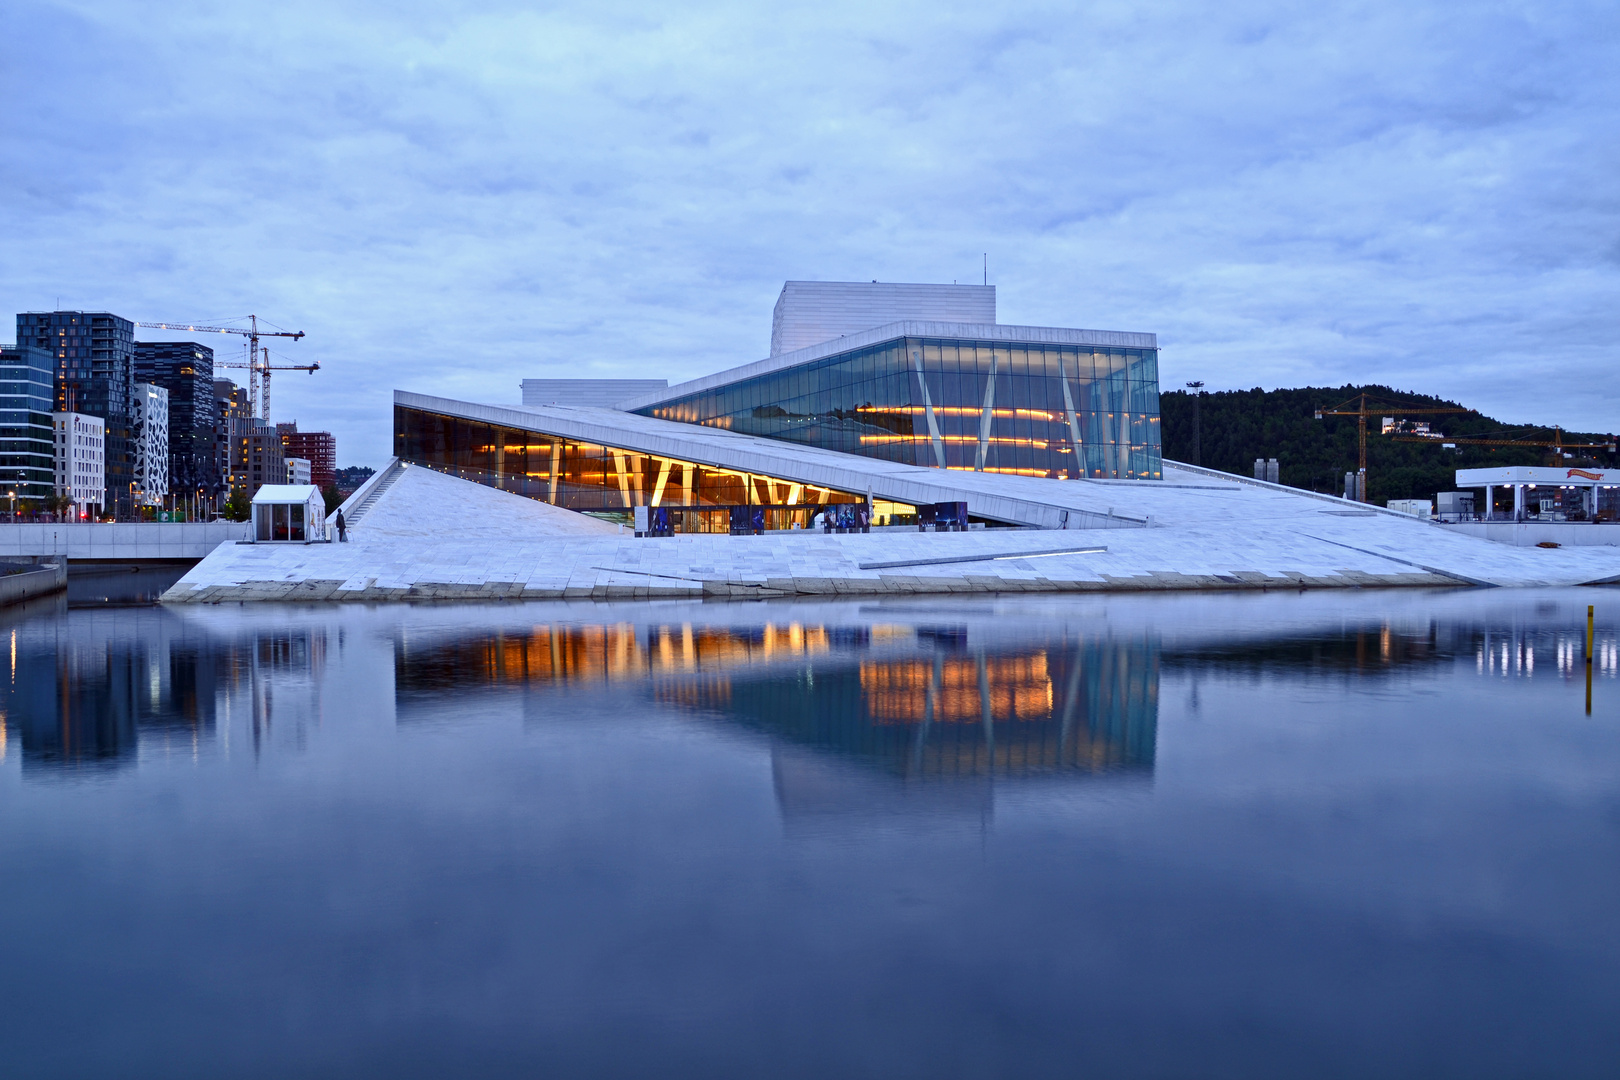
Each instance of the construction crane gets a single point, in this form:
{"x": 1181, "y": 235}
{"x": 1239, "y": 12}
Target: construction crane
{"x": 253, "y": 334}
{"x": 263, "y": 368}
{"x": 1557, "y": 445}
{"x": 1362, "y": 412}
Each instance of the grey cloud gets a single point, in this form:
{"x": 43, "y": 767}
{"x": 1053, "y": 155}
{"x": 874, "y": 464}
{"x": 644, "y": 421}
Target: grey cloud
{"x": 452, "y": 197}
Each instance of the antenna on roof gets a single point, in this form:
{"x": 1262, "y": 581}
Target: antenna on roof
{"x": 987, "y": 268}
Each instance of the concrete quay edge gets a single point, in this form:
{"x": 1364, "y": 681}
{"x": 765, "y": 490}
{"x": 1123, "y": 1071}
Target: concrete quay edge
{"x": 777, "y": 588}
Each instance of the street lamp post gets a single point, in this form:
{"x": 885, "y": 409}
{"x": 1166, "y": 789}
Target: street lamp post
{"x": 1198, "y": 436}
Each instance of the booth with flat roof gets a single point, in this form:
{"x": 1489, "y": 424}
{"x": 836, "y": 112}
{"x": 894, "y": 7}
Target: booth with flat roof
{"x": 1547, "y": 493}
{"x": 290, "y": 513}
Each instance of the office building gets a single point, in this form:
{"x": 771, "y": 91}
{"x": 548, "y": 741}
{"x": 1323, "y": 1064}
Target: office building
{"x": 151, "y": 444}
{"x": 231, "y": 404}
{"x": 80, "y": 462}
{"x": 297, "y": 471}
{"x": 94, "y": 353}
{"x": 27, "y": 440}
{"x": 256, "y": 456}
{"x": 319, "y": 448}
{"x": 186, "y": 370}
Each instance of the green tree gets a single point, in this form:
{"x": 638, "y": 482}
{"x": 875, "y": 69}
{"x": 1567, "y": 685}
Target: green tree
{"x": 1241, "y": 425}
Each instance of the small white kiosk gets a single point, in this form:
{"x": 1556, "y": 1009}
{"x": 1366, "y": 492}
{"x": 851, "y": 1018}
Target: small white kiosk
{"x": 289, "y": 513}
{"x": 1548, "y": 494}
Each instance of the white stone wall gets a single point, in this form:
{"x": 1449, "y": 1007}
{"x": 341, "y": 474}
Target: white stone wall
{"x": 602, "y": 393}
{"x": 810, "y": 312}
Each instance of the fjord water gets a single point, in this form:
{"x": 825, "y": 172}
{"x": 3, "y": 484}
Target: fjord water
{"x": 1205, "y": 835}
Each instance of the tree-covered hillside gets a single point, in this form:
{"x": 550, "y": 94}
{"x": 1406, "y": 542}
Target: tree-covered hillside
{"x": 1241, "y": 425}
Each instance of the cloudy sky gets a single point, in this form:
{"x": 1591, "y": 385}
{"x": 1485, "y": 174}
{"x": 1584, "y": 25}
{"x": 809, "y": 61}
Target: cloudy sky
{"x": 450, "y": 197}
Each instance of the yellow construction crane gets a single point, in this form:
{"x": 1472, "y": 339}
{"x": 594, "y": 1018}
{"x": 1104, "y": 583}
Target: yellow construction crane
{"x": 253, "y": 334}
{"x": 1557, "y": 445}
{"x": 263, "y": 368}
{"x": 1361, "y": 412}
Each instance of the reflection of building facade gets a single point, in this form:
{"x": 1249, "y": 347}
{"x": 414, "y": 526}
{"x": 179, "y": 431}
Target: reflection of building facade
{"x": 1090, "y": 707}
{"x": 87, "y": 689}
{"x": 931, "y": 382}
{"x": 908, "y": 700}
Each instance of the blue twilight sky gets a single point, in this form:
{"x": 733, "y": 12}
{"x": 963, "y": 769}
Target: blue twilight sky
{"x": 449, "y": 197}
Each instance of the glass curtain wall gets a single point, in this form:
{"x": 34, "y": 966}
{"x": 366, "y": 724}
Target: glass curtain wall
{"x": 27, "y": 438}
{"x": 605, "y": 479}
{"x": 1027, "y": 409}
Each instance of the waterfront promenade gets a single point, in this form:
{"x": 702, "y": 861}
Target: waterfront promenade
{"x": 432, "y": 537}
{"x": 122, "y": 542}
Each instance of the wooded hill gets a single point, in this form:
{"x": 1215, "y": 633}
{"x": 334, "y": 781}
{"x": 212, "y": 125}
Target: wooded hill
{"x": 1241, "y": 425}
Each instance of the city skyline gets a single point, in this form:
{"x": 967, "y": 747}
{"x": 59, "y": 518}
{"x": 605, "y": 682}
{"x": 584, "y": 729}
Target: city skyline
{"x": 451, "y": 200}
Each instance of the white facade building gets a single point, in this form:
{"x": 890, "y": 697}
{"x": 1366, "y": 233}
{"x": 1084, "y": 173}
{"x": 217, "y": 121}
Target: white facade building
{"x": 297, "y": 471}
{"x": 604, "y": 393}
{"x": 81, "y": 459}
{"x": 811, "y": 312}
{"x": 151, "y": 444}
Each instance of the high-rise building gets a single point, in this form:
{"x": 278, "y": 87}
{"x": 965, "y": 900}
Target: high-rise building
{"x": 231, "y": 404}
{"x": 256, "y": 456}
{"x": 95, "y": 375}
{"x": 80, "y": 471}
{"x": 27, "y": 459}
{"x": 151, "y": 444}
{"x": 186, "y": 370}
{"x": 319, "y": 448}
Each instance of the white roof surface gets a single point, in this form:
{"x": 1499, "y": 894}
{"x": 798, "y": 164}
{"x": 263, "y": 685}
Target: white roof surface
{"x": 286, "y": 493}
{"x": 1535, "y": 474}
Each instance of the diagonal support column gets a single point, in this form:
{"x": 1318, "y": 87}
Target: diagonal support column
{"x": 986, "y": 413}
{"x": 1074, "y": 421}
{"x": 928, "y": 410}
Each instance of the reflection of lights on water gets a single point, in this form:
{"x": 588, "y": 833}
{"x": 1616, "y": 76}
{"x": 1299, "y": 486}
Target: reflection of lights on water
{"x": 1514, "y": 655}
{"x": 898, "y": 692}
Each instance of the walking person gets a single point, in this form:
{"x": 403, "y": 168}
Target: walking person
{"x": 342, "y": 528}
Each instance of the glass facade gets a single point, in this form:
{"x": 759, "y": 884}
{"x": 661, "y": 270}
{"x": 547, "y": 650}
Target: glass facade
{"x": 1024, "y": 408}
{"x": 94, "y": 354}
{"x": 27, "y": 439}
{"x": 609, "y": 480}
{"x": 186, "y": 370}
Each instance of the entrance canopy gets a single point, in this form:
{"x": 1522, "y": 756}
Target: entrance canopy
{"x": 295, "y": 513}
{"x": 1556, "y": 493}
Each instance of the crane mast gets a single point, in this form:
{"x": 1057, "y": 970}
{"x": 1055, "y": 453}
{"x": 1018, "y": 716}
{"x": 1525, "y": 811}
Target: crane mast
{"x": 255, "y": 367}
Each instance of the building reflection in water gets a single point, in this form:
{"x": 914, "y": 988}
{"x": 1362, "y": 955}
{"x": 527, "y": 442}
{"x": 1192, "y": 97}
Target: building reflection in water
{"x": 915, "y": 702}
{"x": 86, "y": 690}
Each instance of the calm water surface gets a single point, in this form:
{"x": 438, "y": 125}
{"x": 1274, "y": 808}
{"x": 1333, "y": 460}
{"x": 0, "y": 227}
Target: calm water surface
{"x": 1231, "y": 836}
